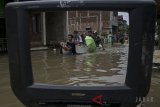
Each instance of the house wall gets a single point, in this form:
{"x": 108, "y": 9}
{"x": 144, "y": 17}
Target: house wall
{"x": 80, "y": 20}
{"x": 55, "y": 26}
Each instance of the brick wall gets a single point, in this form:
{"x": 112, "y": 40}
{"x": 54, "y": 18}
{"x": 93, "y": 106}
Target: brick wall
{"x": 79, "y": 20}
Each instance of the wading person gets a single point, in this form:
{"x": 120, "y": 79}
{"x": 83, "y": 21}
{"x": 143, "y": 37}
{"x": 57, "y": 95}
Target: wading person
{"x": 77, "y": 38}
{"x": 79, "y": 45}
{"x": 98, "y": 41}
{"x": 69, "y": 47}
{"x": 109, "y": 37}
{"x": 90, "y": 43}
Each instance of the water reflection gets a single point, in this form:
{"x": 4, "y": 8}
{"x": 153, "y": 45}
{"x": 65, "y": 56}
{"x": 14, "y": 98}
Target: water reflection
{"x": 99, "y": 69}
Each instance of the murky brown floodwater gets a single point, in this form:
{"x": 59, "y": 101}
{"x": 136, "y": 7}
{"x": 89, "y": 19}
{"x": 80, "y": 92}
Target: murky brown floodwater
{"x": 103, "y": 68}
{"x": 7, "y": 98}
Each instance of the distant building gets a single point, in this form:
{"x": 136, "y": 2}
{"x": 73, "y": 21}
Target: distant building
{"x": 100, "y": 21}
{"x": 123, "y": 27}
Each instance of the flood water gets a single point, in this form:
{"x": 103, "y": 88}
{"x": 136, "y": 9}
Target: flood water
{"x": 96, "y": 69}
{"x": 103, "y": 68}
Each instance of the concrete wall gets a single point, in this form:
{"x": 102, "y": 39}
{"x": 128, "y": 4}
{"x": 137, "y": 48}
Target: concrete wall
{"x": 55, "y": 26}
{"x": 35, "y": 29}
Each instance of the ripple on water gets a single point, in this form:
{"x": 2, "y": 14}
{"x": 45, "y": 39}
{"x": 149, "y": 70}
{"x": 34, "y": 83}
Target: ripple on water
{"x": 101, "y": 68}
{"x": 115, "y": 69}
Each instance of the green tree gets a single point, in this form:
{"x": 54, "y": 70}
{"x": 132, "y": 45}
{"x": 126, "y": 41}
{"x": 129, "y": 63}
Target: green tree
{"x": 1, "y": 8}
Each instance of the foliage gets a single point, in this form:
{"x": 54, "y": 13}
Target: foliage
{"x": 1, "y": 7}
{"x": 158, "y": 21}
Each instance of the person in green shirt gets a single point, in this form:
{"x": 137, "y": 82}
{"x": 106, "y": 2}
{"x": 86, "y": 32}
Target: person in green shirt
{"x": 90, "y": 43}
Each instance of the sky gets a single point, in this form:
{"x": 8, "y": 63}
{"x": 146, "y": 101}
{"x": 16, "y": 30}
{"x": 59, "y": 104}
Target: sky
{"x": 125, "y": 16}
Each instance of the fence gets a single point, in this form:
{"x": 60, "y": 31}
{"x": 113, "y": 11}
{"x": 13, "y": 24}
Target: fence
{"x": 3, "y": 46}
